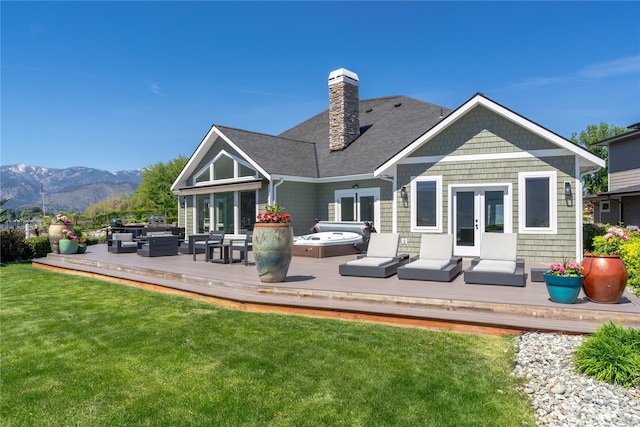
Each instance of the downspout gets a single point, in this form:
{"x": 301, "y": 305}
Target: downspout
{"x": 274, "y": 192}
{"x": 394, "y": 213}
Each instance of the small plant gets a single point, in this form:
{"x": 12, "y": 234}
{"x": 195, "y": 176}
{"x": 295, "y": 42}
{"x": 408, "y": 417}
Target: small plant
{"x": 62, "y": 219}
{"x": 274, "y": 213}
{"x": 566, "y": 268}
{"x": 68, "y": 235}
{"x": 612, "y": 355}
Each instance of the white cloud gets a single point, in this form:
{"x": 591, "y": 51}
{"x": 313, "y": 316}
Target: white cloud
{"x": 626, "y": 65}
{"x": 155, "y": 89}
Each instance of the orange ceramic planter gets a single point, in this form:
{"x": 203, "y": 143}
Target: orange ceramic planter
{"x": 605, "y": 278}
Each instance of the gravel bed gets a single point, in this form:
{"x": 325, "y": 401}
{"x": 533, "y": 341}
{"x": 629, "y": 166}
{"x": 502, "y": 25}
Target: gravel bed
{"x": 560, "y": 396}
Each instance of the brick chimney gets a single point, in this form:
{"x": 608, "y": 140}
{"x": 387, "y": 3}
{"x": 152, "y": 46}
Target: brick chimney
{"x": 344, "y": 111}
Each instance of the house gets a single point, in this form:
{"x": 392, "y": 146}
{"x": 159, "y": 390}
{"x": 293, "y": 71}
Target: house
{"x": 621, "y": 202}
{"x": 405, "y": 165}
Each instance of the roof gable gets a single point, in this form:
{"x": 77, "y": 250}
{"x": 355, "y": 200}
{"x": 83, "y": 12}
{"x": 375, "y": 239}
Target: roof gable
{"x": 587, "y": 158}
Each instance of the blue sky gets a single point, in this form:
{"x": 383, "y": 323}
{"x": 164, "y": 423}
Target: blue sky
{"x": 124, "y": 85}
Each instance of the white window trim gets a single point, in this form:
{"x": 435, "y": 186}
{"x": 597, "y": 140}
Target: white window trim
{"x": 366, "y": 191}
{"x": 602, "y": 206}
{"x": 553, "y": 199}
{"x": 210, "y": 166}
{"x": 414, "y": 199}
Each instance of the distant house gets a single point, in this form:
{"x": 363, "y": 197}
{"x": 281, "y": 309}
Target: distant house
{"x": 621, "y": 202}
{"x": 406, "y": 165}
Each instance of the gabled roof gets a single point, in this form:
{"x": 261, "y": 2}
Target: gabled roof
{"x": 387, "y": 125}
{"x": 588, "y": 159}
{"x": 633, "y": 132}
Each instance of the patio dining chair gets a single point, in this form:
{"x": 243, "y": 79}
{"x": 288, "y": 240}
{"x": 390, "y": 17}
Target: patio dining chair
{"x": 243, "y": 247}
{"x": 498, "y": 263}
{"x": 214, "y": 240}
{"x": 381, "y": 259}
{"x": 435, "y": 263}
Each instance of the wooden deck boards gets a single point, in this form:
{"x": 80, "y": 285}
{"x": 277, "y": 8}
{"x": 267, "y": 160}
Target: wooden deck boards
{"x": 314, "y": 287}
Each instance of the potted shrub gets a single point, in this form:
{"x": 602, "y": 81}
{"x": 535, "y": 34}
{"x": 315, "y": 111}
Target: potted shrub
{"x": 68, "y": 243}
{"x": 605, "y": 275}
{"x": 564, "y": 281}
{"x": 273, "y": 244}
{"x": 60, "y": 223}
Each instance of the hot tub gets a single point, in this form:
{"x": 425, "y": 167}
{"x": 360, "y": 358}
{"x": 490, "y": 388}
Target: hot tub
{"x": 326, "y": 244}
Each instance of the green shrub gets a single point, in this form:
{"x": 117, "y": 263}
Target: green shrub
{"x": 37, "y": 247}
{"x": 12, "y": 245}
{"x": 589, "y": 231}
{"x": 611, "y": 354}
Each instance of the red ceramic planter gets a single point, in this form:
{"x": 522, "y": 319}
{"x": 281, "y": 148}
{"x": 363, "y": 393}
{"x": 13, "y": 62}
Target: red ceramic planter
{"x": 605, "y": 278}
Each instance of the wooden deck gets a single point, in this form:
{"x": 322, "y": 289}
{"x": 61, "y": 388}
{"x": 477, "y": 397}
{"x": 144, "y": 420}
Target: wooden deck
{"x": 314, "y": 287}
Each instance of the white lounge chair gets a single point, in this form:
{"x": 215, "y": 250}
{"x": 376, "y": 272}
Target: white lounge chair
{"x": 498, "y": 263}
{"x": 380, "y": 260}
{"x": 435, "y": 262}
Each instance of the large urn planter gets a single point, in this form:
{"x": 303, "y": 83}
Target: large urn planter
{"x": 68, "y": 246}
{"x": 272, "y": 250}
{"x": 605, "y": 278}
{"x": 55, "y": 235}
{"x": 563, "y": 289}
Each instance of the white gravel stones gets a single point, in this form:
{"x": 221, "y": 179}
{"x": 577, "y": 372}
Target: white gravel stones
{"x": 560, "y": 396}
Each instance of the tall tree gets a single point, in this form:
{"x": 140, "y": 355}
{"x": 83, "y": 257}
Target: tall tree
{"x": 154, "y": 191}
{"x": 597, "y": 182}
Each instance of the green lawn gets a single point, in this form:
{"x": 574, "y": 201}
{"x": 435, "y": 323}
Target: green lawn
{"x": 78, "y": 351}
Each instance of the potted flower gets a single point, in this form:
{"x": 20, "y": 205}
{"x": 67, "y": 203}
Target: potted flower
{"x": 68, "y": 242}
{"x": 605, "y": 275}
{"x": 564, "y": 281}
{"x": 273, "y": 243}
{"x": 59, "y": 223}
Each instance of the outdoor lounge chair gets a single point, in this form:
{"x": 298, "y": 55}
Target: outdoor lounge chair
{"x": 435, "y": 262}
{"x": 215, "y": 239}
{"x": 498, "y": 263}
{"x": 121, "y": 243}
{"x": 381, "y": 259}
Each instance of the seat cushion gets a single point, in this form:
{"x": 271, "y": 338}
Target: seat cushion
{"x": 383, "y": 245}
{"x": 499, "y": 246}
{"x": 495, "y": 266}
{"x": 128, "y": 244}
{"x": 436, "y": 246}
{"x": 429, "y": 264}
{"x": 370, "y": 262}
{"x": 123, "y": 237}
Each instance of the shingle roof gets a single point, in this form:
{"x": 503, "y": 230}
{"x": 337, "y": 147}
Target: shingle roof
{"x": 387, "y": 126}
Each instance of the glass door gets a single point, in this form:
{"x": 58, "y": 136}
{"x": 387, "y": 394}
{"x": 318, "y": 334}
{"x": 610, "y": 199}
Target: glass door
{"x": 477, "y": 211}
{"x": 358, "y": 204}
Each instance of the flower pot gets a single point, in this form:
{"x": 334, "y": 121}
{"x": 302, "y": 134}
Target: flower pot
{"x": 55, "y": 234}
{"x": 82, "y": 248}
{"x": 272, "y": 249}
{"x": 68, "y": 246}
{"x": 563, "y": 289}
{"x": 605, "y": 278}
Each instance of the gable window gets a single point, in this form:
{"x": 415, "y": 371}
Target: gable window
{"x": 223, "y": 168}
{"x": 537, "y": 202}
{"x": 426, "y": 204}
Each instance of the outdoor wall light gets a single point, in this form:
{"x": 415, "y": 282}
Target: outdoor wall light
{"x": 404, "y": 196}
{"x": 567, "y": 190}
{"x": 183, "y": 201}
{"x": 355, "y": 186}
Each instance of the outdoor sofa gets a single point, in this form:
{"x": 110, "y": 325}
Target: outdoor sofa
{"x": 381, "y": 259}
{"x": 165, "y": 245}
{"x": 435, "y": 262}
{"x": 498, "y": 263}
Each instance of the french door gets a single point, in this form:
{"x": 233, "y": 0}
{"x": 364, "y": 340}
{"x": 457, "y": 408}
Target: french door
{"x": 477, "y": 210}
{"x": 358, "y": 204}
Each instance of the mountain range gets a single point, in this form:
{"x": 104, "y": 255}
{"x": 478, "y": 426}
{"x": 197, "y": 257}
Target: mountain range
{"x": 65, "y": 190}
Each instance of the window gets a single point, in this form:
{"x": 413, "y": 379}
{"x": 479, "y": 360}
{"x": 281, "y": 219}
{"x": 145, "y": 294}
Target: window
{"x": 605, "y": 207}
{"x": 426, "y": 204}
{"x": 223, "y": 167}
{"x": 537, "y": 202}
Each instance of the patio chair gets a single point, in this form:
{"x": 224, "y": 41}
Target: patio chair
{"x": 159, "y": 246}
{"x": 244, "y": 248}
{"x": 498, "y": 263}
{"x": 121, "y": 243}
{"x": 436, "y": 261}
{"x": 381, "y": 259}
{"x": 215, "y": 239}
